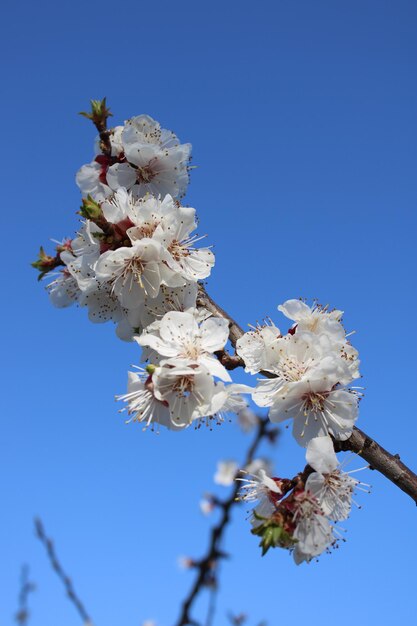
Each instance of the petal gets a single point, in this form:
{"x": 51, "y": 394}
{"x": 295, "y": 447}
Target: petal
{"x": 121, "y": 175}
{"x": 321, "y": 455}
{"x": 294, "y": 309}
{"x": 214, "y": 333}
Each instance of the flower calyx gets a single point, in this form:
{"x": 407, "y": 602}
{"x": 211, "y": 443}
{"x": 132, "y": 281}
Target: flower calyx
{"x": 272, "y": 532}
{"x": 45, "y": 263}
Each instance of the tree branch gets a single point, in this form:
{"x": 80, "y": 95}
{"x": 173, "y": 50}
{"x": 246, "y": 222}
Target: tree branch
{"x": 206, "y": 565}
{"x": 57, "y": 567}
{"x": 26, "y": 588}
{"x": 359, "y": 442}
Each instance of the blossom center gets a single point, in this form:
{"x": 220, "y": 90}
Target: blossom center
{"x": 291, "y": 370}
{"x": 184, "y": 385}
{"x": 145, "y": 174}
{"x": 314, "y": 402}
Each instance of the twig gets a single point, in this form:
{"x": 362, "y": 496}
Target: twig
{"x": 207, "y": 563}
{"x": 57, "y": 567}
{"x": 212, "y": 601}
{"x": 359, "y": 442}
{"x": 26, "y": 587}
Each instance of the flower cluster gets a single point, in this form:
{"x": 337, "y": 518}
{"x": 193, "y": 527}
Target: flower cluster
{"x": 184, "y": 382}
{"x": 301, "y": 514}
{"x": 138, "y": 262}
{"x": 132, "y": 261}
{"x": 143, "y": 158}
{"x": 308, "y": 372}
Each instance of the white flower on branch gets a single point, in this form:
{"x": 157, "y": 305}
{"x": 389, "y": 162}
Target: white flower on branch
{"x": 333, "y": 488}
{"x": 309, "y": 387}
{"x": 92, "y": 177}
{"x": 247, "y": 419}
{"x": 313, "y": 531}
{"x": 258, "y": 347}
{"x": 320, "y": 321}
{"x": 142, "y": 405}
{"x": 226, "y": 473}
{"x": 259, "y": 465}
{"x": 134, "y": 272}
{"x": 167, "y": 222}
{"x": 63, "y": 290}
{"x": 155, "y": 162}
{"x": 207, "y": 504}
{"x": 261, "y": 488}
{"x": 188, "y": 389}
{"x": 179, "y": 335}
{"x": 316, "y": 319}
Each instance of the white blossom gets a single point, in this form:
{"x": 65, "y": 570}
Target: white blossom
{"x": 258, "y": 347}
{"x": 155, "y": 162}
{"x": 226, "y": 473}
{"x": 168, "y": 224}
{"x": 316, "y": 319}
{"x": 92, "y": 177}
{"x": 63, "y": 289}
{"x": 264, "y": 490}
{"x": 142, "y": 405}
{"x": 89, "y": 179}
{"x": 247, "y": 419}
{"x": 258, "y": 465}
{"x": 309, "y": 387}
{"x": 313, "y": 531}
{"x": 187, "y": 388}
{"x": 178, "y": 335}
{"x": 320, "y": 321}
{"x": 332, "y": 487}
{"x": 133, "y": 272}
{"x": 207, "y": 504}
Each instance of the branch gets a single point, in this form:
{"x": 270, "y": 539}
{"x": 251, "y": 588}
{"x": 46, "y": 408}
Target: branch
{"x": 206, "y": 565}
{"x": 98, "y": 115}
{"x": 57, "y": 567}
{"x": 359, "y": 442}
{"x": 26, "y": 587}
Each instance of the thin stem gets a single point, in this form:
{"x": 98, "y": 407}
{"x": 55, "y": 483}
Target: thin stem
{"x": 26, "y": 587}
{"x": 57, "y": 567}
{"x": 359, "y": 442}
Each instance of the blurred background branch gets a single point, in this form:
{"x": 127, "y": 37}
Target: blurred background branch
{"x": 26, "y": 588}
{"x": 58, "y": 569}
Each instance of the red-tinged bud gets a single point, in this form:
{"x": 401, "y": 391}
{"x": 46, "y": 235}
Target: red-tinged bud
{"x": 45, "y": 263}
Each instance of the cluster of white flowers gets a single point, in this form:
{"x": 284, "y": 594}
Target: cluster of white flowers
{"x": 181, "y": 385}
{"x": 310, "y": 368}
{"x": 307, "y": 372}
{"x": 145, "y": 159}
{"x": 305, "y": 520}
{"x": 140, "y": 263}
{"x": 136, "y": 261}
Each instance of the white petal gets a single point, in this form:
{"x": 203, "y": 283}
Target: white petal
{"x": 321, "y": 455}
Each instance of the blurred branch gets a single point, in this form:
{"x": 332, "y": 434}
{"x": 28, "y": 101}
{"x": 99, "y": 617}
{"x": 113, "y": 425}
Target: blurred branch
{"x": 359, "y": 442}
{"x": 57, "y": 567}
{"x": 26, "y": 587}
{"x": 206, "y": 566}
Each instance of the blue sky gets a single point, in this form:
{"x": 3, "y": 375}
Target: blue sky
{"x": 302, "y": 117}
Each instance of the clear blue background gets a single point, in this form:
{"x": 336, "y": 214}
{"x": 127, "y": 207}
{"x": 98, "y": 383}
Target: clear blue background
{"x": 303, "y": 118}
